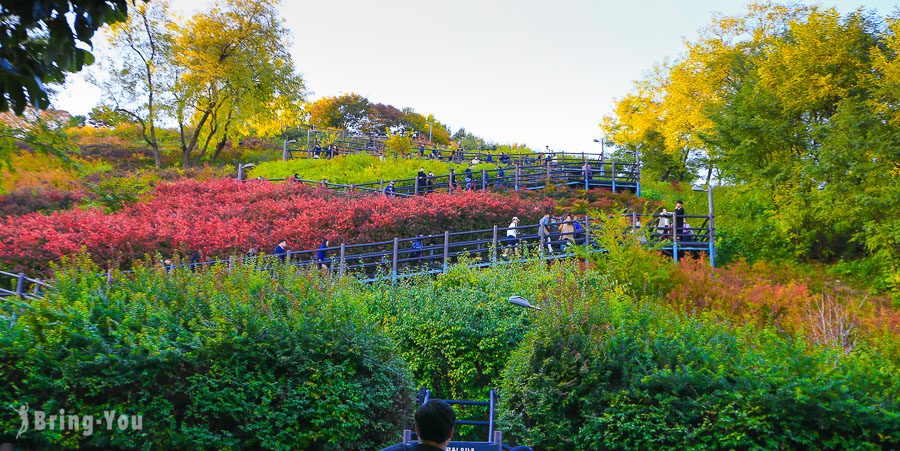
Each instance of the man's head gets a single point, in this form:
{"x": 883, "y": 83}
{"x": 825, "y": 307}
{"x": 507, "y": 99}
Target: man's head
{"x": 679, "y": 204}
{"x": 282, "y": 243}
{"x": 434, "y": 421}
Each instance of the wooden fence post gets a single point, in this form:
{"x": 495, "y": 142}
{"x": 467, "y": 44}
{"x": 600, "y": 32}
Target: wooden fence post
{"x": 109, "y": 277}
{"x": 231, "y": 263}
{"x": 343, "y": 262}
{"x": 446, "y": 250}
{"x": 613, "y": 175}
{"x": 450, "y": 181}
{"x": 587, "y": 237}
{"x": 494, "y": 247}
{"x": 518, "y": 168}
{"x": 483, "y": 179}
{"x": 394, "y": 260}
{"x": 20, "y": 284}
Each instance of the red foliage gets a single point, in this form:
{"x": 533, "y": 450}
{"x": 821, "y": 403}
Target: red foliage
{"x": 825, "y": 311}
{"x": 220, "y": 217}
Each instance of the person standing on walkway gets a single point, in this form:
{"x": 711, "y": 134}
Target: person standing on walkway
{"x": 281, "y": 250}
{"x": 430, "y": 182}
{"x": 567, "y": 231}
{"x": 500, "y": 174}
{"x": 389, "y": 189}
{"x": 512, "y": 237}
{"x": 544, "y": 233}
{"x": 322, "y": 255}
{"x": 679, "y": 219}
{"x": 421, "y": 181}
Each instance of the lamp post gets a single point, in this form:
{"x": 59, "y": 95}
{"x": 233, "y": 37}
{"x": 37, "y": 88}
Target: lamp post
{"x": 602, "y": 153}
{"x": 284, "y": 149}
{"x": 241, "y": 168}
{"x": 712, "y": 226}
{"x": 522, "y": 302}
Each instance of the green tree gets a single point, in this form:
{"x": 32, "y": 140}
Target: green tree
{"x": 232, "y": 64}
{"x": 137, "y": 72}
{"x": 43, "y": 40}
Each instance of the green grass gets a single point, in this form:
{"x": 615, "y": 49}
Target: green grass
{"x": 355, "y": 169}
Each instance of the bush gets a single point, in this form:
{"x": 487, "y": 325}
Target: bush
{"x": 44, "y": 200}
{"x": 457, "y": 331}
{"x": 220, "y": 217}
{"x": 612, "y": 373}
{"x": 223, "y": 359}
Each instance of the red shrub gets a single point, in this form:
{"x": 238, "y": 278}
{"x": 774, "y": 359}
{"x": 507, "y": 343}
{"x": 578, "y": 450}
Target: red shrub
{"x": 222, "y": 216}
{"x": 823, "y": 310}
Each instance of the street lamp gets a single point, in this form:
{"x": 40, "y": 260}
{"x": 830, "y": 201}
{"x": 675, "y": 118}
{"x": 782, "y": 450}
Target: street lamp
{"x": 602, "y": 153}
{"x": 284, "y": 150}
{"x": 522, "y": 302}
{"x": 712, "y": 227}
{"x": 241, "y": 168}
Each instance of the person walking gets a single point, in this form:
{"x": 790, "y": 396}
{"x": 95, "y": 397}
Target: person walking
{"x": 281, "y": 250}
{"x": 500, "y": 174}
{"x": 468, "y": 174}
{"x": 322, "y": 255}
{"x": 421, "y": 181}
{"x": 512, "y": 237}
{"x": 567, "y": 232}
{"x": 389, "y": 189}
{"x": 429, "y": 182}
{"x": 544, "y": 233}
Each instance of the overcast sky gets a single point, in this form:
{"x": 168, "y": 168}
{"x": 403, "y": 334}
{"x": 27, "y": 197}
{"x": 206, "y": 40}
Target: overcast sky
{"x": 535, "y": 72}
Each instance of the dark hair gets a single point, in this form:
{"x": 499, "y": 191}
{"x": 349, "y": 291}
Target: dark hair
{"x": 679, "y": 201}
{"x": 282, "y": 241}
{"x": 434, "y": 421}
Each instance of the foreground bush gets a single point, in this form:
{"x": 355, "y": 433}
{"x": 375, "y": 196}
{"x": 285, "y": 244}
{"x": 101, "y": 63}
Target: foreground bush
{"x": 216, "y": 360}
{"x": 457, "y": 331}
{"x": 613, "y": 373}
{"x": 219, "y": 217}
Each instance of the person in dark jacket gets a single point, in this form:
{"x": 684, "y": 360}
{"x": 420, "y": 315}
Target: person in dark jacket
{"x": 430, "y": 182}
{"x": 500, "y": 174}
{"x": 322, "y": 254}
{"x": 389, "y": 190}
{"x": 421, "y": 181}
{"x": 679, "y": 220}
{"x": 435, "y": 422}
{"x": 281, "y": 251}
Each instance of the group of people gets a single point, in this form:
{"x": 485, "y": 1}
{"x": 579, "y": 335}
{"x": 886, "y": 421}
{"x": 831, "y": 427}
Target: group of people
{"x": 563, "y": 230}
{"x": 672, "y": 225}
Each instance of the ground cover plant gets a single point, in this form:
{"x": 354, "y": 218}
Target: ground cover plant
{"x": 355, "y": 169}
{"x": 220, "y": 217}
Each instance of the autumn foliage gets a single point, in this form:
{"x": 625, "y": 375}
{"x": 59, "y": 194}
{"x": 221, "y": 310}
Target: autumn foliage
{"x": 824, "y": 311}
{"x": 221, "y": 217}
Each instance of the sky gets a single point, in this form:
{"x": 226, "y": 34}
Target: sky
{"x": 512, "y": 71}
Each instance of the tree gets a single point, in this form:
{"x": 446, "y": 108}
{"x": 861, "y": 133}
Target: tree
{"x": 797, "y": 102}
{"x": 138, "y": 69}
{"x": 36, "y": 131}
{"x": 42, "y": 40}
{"x": 232, "y": 63}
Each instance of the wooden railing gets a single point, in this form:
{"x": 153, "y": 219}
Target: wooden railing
{"x": 613, "y": 175}
{"x": 433, "y": 254}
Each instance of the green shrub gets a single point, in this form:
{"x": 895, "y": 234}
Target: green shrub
{"x": 217, "y": 359}
{"x": 612, "y": 373}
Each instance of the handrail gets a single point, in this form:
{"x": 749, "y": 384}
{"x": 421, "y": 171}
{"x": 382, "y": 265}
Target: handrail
{"x": 384, "y": 260}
